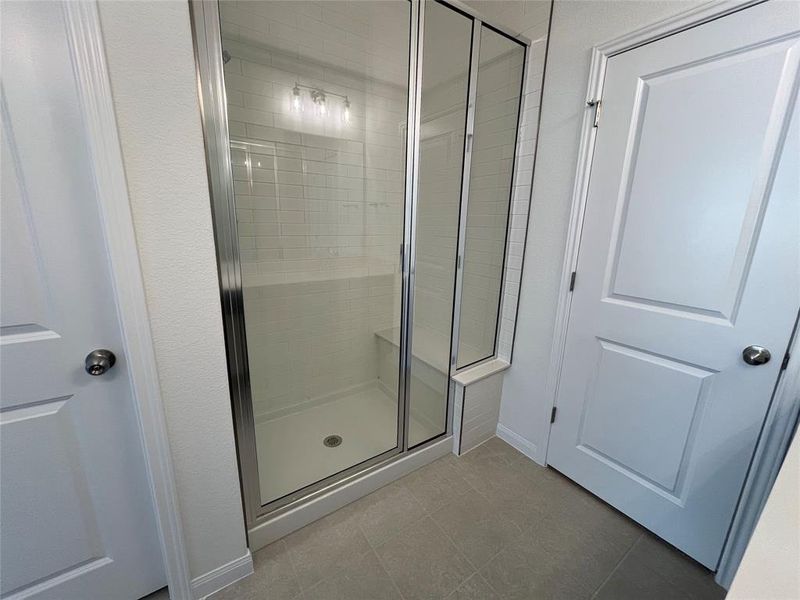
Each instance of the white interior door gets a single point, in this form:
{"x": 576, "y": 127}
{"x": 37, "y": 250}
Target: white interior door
{"x": 689, "y": 254}
{"x": 76, "y": 514}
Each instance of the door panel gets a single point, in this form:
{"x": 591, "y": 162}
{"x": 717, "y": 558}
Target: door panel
{"x": 75, "y": 509}
{"x": 712, "y": 199}
{"x": 650, "y": 445}
{"x": 689, "y": 254}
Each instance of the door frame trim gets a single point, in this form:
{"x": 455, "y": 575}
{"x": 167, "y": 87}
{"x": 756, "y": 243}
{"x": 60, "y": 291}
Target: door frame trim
{"x": 782, "y": 415}
{"x": 94, "y": 89}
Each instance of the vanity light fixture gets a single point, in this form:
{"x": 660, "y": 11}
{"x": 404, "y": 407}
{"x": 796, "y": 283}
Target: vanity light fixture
{"x": 297, "y": 100}
{"x": 320, "y": 99}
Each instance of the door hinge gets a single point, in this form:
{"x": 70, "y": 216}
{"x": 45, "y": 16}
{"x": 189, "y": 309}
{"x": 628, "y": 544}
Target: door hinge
{"x": 596, "y": 105}
{"x": 553, "y": 415}
{"x": 785, "y": 362}
{"x": 572, "y": 281}
{"x": 458, "y": 262}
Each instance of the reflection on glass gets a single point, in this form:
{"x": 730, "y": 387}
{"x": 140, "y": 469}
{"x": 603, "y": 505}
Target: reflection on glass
{"x": 445, "y": 79}
{"x": 500, "y": 74}
{"x": 317, "y": 99}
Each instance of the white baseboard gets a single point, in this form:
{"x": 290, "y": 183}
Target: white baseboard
{"x": 285, "y": 523}
{"x": 520, "y": 443}
{"x": 222, "y": 576}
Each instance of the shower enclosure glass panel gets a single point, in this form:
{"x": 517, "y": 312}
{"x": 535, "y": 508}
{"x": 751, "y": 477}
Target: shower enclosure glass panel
{"x": 317, "y": 100}
{"x": 443, "y": 109}
{"x": 499, "y": 89}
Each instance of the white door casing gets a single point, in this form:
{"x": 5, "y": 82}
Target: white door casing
{"x": 689, "y": 253}
{"x": 76, "y": 509}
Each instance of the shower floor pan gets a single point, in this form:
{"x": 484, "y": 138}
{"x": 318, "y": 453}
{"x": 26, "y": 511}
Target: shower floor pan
{"x": 292, "y": 452}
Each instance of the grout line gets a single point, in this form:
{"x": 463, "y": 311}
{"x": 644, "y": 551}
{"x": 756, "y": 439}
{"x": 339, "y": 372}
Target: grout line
{"x": 616, "y": 567}
{"x": 469, "y": 562}
{"x": 389, "y": 575}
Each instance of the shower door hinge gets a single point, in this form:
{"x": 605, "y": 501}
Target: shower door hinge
{"x": 553, "y": 415}
{"x": 596, "y": 105}
{"x": 572, "y": 281}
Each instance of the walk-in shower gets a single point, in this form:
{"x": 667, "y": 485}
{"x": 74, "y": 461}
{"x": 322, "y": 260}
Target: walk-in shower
{"x": 361, "y": 157}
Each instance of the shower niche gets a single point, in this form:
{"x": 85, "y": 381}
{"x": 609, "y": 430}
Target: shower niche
{"x": 361, "y": 160}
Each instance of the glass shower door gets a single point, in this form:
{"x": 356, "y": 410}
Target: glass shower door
{"x": 497, "y": 105}
{"x": 443, "y": 111}
{"x": 317, "y": 101}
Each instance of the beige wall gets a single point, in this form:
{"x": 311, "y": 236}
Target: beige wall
{"x": 151, "y": 63}
{"x": 770, "y": 568}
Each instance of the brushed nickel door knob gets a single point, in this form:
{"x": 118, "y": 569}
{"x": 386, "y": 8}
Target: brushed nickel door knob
{"x": 99, "y": 361}
{"x": 756, "y": 355}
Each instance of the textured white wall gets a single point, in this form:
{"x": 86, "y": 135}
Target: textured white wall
{"x": 576, "y": 27}
{"x": 771, "y": 564}
{"x": 150, "y": 57}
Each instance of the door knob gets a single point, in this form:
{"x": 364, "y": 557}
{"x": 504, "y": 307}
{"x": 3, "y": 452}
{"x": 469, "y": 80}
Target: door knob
{"x": 99, "y": 361}
{"x": 756, "y": 355}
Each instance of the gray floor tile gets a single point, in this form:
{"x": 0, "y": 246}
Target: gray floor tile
{"x": 273, "y": 578}
{"x": 360, "y": 578}
{"x": 498, "y": 447}
{"x": 387, "y": 512}
{"x": 531, "y": 532}
{"x": 632, "y": 582}
{"x": 476, "y": 527}
{"x": 519, "y": 488}
{"x": 423, "y": 563}
{"x": 559, "y": 559}
{"x": 437, "y": 484}
{"x": 475, "y": 588}
{"x": 681, "y": 571}
{"x": 316, "y": 549}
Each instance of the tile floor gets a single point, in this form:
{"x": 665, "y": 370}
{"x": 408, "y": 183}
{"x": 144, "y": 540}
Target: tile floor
{"x": 489, "y": 525}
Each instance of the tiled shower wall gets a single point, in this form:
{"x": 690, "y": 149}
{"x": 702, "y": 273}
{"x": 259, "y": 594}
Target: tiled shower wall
{"x": 319, "y": 201}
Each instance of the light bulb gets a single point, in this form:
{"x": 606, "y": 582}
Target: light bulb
{"x": 297, "y": 101}
{"x": 346, "y": 113}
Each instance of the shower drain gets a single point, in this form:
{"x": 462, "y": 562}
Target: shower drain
{"x": 332, "y": 441}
